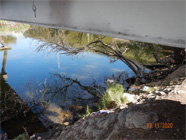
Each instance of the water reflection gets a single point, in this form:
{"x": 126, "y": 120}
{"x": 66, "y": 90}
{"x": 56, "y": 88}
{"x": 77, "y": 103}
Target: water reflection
{"x": 58, "y": 61}
{"x": 3, "y": 73}
{"x": 76, "y": 81}
{"x": 8, "y": 39}
{"x": 65, "y": 97}
{"x": 59, "y": 41}
{"x": 13, "y": 122}
{"x": 61, "y": 37}
{"x": 61, "y": 85}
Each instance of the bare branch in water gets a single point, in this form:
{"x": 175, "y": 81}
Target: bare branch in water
{"x": 98, "y": 45}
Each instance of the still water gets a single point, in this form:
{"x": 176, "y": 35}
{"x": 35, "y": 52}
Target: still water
{"x": 65, "y": 80}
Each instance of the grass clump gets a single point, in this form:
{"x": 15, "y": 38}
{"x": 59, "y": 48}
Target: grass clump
{"x": 88, "y": 110}
{"x": 113, "y": 97}
{"x": 151, "y": 89}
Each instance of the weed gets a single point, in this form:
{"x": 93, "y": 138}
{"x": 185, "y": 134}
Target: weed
{"x": 113, "y": 97}
{"x": 88, "y": 110}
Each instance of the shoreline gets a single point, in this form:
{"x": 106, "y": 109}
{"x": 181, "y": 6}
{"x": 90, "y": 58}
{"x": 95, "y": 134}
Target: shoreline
{"x": 155, "y": 103}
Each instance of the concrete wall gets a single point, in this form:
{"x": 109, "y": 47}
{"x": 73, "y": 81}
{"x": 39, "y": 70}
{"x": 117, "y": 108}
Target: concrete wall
{"x": 155, "y": 21}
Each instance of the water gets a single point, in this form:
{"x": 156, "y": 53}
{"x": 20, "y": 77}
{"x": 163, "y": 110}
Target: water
{"x": 25, "y": 65}
{"x": 63, "y": 80}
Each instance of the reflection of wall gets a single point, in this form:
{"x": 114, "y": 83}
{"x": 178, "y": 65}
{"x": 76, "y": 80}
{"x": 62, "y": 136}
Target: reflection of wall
{"x": 154, "y": 21}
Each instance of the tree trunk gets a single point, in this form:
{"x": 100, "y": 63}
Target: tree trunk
{"x": 179, "y": 55}
{"x": 2, "y": 42}
{"x": 156, "y": 57}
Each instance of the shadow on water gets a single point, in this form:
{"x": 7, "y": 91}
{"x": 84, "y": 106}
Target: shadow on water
{"x": 13, "y": 120}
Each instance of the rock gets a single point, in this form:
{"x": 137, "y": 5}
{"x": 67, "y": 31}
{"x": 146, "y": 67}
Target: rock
{"x": 85, "y": 95}
{"x": 151, "y": 99}
{"x": 167, "y": 90}
{"x": 110, "y": 81}
{"x": 5, "y": 76}
{"x": 66, "y": 123}
{"x": 145, "y": 88}
{"x": 181, "y": 92}
{"x": 64, "y": 116}
{"x": 180, "y": 72}
{"x": 157, "y": 93}
{"x": 147, "y": 105}
{"x": 103, "y": 111}
{"x": 158, "y": 97}
{"x": 162, "y": 93}
{"x": 151, "y": 95}
{"x": 140, "y": 119}
{"x": 123, "y": 106}
{"x": 129, "y": 97}
{"x": 132, "y": 89}
{"x": 33, "y": 136}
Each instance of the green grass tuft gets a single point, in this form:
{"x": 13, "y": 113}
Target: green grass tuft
{"x": 88, "y": 110}
{"x": 113, "y": 97}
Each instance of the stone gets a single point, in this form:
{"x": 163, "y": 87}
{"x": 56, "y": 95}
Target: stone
{"x": 129, "y": 97}
{"x": 151, "y": 99}
{"x": 110, "y": 81}
{"x": 157, "y": 93}
{"x": 140, "y": 119}
{"x": 181, "y": 92}
{"x": 151, "y": 95}
{"x": 180, "y": 72}
{"x": 163, "y": 93}
{"x": 66, "y": 123}
{"x": 145, "y": 88}
{"x": 33, "y": 136}
{"x": 132, "y": 89}
{"x": 158, "y": 97}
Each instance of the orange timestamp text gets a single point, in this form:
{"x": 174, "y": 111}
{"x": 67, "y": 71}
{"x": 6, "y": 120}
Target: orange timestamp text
{"x": 159, "y": 125}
